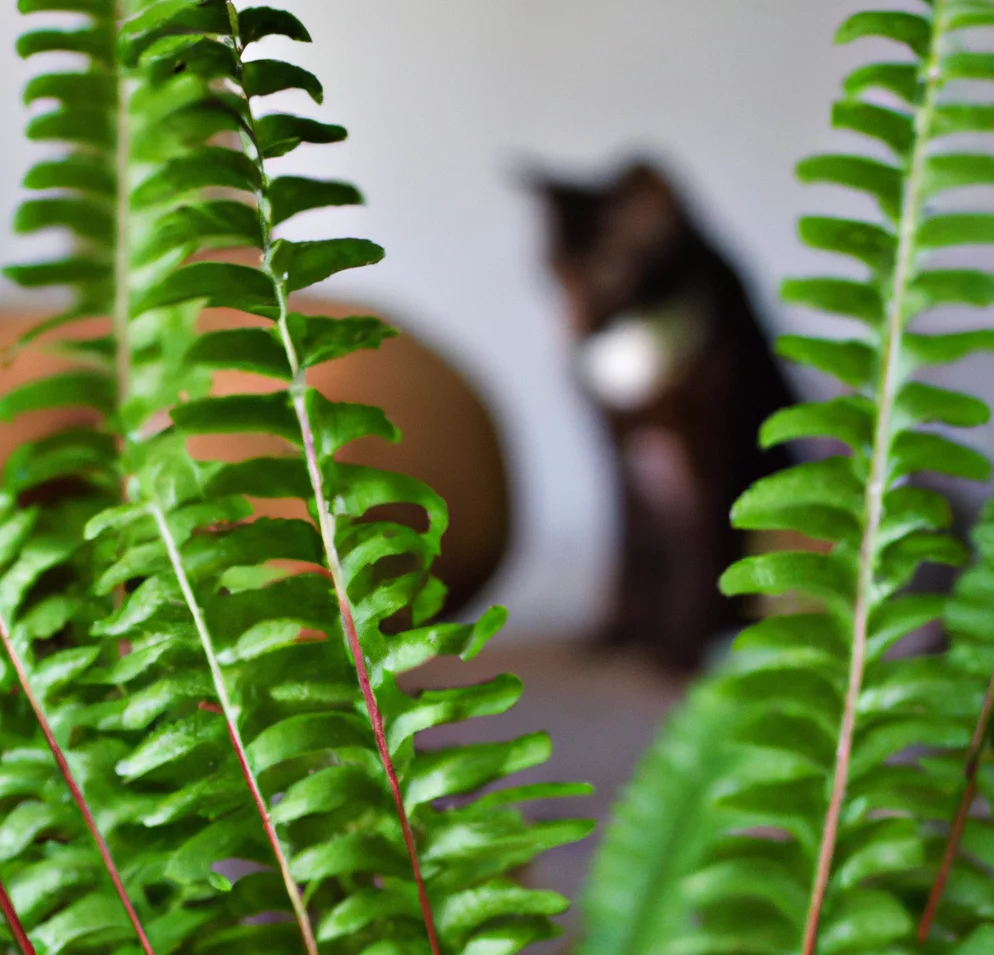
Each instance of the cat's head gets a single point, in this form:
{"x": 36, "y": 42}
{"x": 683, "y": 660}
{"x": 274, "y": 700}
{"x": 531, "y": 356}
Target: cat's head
{"x": 615, "y": 247}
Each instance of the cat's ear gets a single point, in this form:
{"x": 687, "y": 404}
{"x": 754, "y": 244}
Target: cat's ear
{"x": 643, "y": 216}
{"x": 573, "y": 214}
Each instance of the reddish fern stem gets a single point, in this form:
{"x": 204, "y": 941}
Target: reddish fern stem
{"x": 327, "y": 526}
{"x": 230, "y": 716}
{"x": 14, "y": 923}
{"x": 962, "y": 814}
{"x": 948, "y": 858}
{"x": 74, "y": 788}
{"x": 326, "y": 522}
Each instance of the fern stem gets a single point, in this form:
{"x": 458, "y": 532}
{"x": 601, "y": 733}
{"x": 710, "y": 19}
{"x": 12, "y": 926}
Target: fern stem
{"x": 231, "y": 719}
{"x": 327, "y": 526}
{"x": 74, "y": 787}
{"x": 876, "y": 488}
{"x": 14, "y": 923}
{"x": 962, "y": 814}
{"x": 948, "y": 858}
{"x": 326, "y": 521}
{"x": 122, "y": 284}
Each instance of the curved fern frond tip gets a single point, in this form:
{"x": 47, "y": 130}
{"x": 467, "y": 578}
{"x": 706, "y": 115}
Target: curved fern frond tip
{"x": 841, "y": 842}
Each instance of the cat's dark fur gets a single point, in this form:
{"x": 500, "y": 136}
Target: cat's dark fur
{"x": 689, "y": 449}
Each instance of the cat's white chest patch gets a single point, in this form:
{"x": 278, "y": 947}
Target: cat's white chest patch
{"x": 626, "y": 365}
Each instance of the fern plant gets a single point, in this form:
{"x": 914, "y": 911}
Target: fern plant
{"x": 187, "y": 683}
{"x": 839, "y": 818}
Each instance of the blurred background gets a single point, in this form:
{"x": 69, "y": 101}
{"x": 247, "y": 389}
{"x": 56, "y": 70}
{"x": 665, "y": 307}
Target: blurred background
{"x": 447, "y": 106}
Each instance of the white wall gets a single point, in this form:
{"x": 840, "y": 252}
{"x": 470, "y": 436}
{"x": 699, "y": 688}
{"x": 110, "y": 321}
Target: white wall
{"x": 444, "y": 100}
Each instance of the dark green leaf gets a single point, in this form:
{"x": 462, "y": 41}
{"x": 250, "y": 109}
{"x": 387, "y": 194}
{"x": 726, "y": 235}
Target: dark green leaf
{"x": 952, "y": 119}
{"x": 366, "y": 906}
{"x": 919, "y": 451}
{"x": 982, "y": 940}
{"x": 151, "y": 596}
{"x": 880, "y": 180}
{"x": 327, "y": 790}
{"x": 201, "y": 224}
{"x": 247, "y": 349}
{"x": 853, "y": 362}
{"x": 319, "y": 340}
{"x": 808, "y": 493}
{"x": 191, "y": 55}
{"x": 95, "y": 42}
{"x": 253, "y": 543}
{"x": 968, "y": 228}
{"x": 461, "y": 913}
{"x": 862, "y": 240}
{"x": 836, "y": 296}
{"x": 238, "y": 835}
{"x": 210, "y": 166}
{"x": 338, "y": 423}
{"x": 255, "y": 23}
{"x": 908, "y": 508}
{"x": 90, "y": 218}
{"x": 448, "y": 772}
{"x": 955, "y": 287}
{"x": 96, "y": 916}
{"x": 289, "y": 195}
{"x": 944, "y": 349}
{"x": 300, "y": 735}
{"x": 173, "y": 741}
{"x": 350, "y": 854}
{"x": 89, "y": 389}
{"x": 218, "y": 284}
{"x": 280, "y": 133}
{"x": 919, "y": 403}
{"x": 79, "y": 172}
{"x": 914, "y": 31}
{"x": 821, "y": 575}
{"x": 74, "y": 452}
{"x": 263, "y": 477}
{"x": 876, "y": 918}
{"x": 87, "y": 127}
{"x": 817, "y": 632}
{"x": 74, "y": 271}
{"x": 154, "y": 16}
{"x": 957, "y": 170}
{"x": 968, "y": 66}
{"x": 77, "y": 90}
{"x": 893, "y": 128}
{"x": 848, "y": 419}
{"x": 312, "y": 262}
{"x": 240, "y": 414}
{"x": 98, "y": 8}
{"x": 898, "y": 78}
{"x": 969, "y": 13}
{"x": 435, "y": 707}
{"x": 262, "y": 77}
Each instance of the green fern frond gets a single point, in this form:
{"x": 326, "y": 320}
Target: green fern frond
{"x": 964, "y": 851}
{"x": 221, "y": 708}
{"x": 838, "y": 856}
{"x": 636, "y": 901}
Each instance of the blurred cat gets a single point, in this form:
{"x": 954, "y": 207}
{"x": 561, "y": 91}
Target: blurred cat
{"x": 668, "y": 347}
